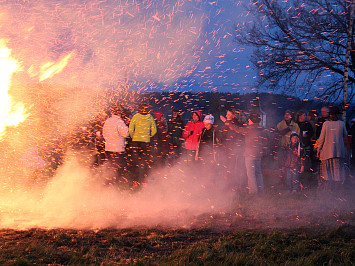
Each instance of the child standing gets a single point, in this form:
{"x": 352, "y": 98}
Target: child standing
{"x": 293, "y": 164}
{"x": 206, "y": 148}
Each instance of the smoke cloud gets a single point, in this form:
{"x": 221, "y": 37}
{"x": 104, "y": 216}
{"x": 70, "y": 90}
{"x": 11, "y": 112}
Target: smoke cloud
{"x": 151, "y": 41}
{"x": 77, "y": 197}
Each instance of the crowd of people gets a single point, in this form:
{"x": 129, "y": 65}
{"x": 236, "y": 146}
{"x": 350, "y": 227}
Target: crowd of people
{"x": 232, "y": 147}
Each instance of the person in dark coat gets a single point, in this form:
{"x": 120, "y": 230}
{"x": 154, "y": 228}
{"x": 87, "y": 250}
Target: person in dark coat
{"x": 232, "y": 144}
{"x": 255, "y": 147}
{"x": 292, "y": 164}
{"x": 208, "y": 140}
{"x": 306, "y": 134}
{"x": 161, "y": 138}
{"x": 175, "y": 125}
{"x": 206, "y": 154}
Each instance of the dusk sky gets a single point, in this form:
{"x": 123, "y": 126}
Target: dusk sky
{"x": 169, "y": 45}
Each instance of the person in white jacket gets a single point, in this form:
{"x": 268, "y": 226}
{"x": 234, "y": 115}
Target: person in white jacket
{"x": 115, "y": 132}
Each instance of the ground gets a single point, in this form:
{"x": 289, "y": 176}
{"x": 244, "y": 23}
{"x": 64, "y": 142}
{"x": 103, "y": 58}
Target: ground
{"x": 258, "y": 232}
{"x": 202, "y": 246}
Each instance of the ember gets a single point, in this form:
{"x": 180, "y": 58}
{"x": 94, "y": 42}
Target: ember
{"x": 118, "y": 116}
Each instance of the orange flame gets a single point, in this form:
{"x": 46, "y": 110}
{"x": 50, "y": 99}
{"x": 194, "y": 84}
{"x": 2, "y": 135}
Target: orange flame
{"x": 50, "y": 69}
{"x": 11, "y": 114}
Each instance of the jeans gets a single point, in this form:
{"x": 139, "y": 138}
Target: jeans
{"x": 255, "y": 176}
{"x": 141, "y": 158}
{"x": 117, "y": 164}
{"x": 292, "y": 179}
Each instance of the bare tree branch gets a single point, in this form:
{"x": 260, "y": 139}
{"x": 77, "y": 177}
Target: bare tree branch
{"x": 299, "y": 43}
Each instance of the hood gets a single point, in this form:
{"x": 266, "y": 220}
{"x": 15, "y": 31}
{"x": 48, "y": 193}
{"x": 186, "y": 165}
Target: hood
{"x": 199, "y": 113}
{"x": 158, "y": 115}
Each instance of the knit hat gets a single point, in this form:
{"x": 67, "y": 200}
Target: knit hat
{"x": 209, "y": 119}
{"x": 293, "y": 133}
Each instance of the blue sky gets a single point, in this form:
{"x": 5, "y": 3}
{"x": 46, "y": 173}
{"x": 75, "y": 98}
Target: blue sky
{"x": 227, "y": 66}
{"x": 169, "y": 45}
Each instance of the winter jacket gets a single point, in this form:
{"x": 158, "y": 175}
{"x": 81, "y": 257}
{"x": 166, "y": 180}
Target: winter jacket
{"x": 255, "y": 140}
{"x": 175, "y": 125}
{"x": 285, "y": 131}
{"x": 319, "y": 125}
{"x": 331, "y": 140}
{"x": 115, "y": 132}
{"x": 195, "y": 128}
{"x": 292, "y": 158}
{"x": 142, "y": 127}
{"x": 231, "y": 140}
{"x": 306, "y": 133}
{"x": 207, "y": 145}
{"x": 162, "y": 125}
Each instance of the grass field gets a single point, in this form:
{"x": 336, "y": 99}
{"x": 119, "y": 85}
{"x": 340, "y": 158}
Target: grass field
{"x": 301, "y": 246}
{"x": 265, "y": 235}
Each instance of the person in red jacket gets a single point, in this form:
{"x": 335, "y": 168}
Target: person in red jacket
{"x": 192, "y": 133}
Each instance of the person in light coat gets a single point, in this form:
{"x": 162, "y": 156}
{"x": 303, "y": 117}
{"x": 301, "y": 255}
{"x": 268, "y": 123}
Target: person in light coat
{"x": 115, "y": 132}
{"x": 331, "y": 150}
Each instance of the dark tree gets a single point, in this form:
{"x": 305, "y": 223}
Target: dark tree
{"x": 300, "y": 44}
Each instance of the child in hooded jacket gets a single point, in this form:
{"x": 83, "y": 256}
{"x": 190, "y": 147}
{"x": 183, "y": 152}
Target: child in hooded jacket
{"x": 192, "y": 134}
{"x": 293, "y": 165}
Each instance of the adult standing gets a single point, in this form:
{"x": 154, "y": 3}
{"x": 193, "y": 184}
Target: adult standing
{"x": 306, "y": 134}
{"x": 233, "y": 146}
{"x": 331, "y": 150}
{"x": 115, "y": 132}
{"x": 192, "y": 133}
{"x": 255, "y": 148}
{"x": 161, "y": 138}
{"x": 306, "y": 129}
{"x": 312, "y": 118}
{"x": 231, "y": 139}
{"x": 142, "y": 128}
{"x": 97, "y": 138}
{"x": 175, "y": 125}
{"x": 285, "y": 127}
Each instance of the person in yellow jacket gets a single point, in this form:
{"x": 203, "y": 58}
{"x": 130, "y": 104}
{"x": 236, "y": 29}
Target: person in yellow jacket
{"x": 141, "y": 129}
{"x": 285, "y": 128}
